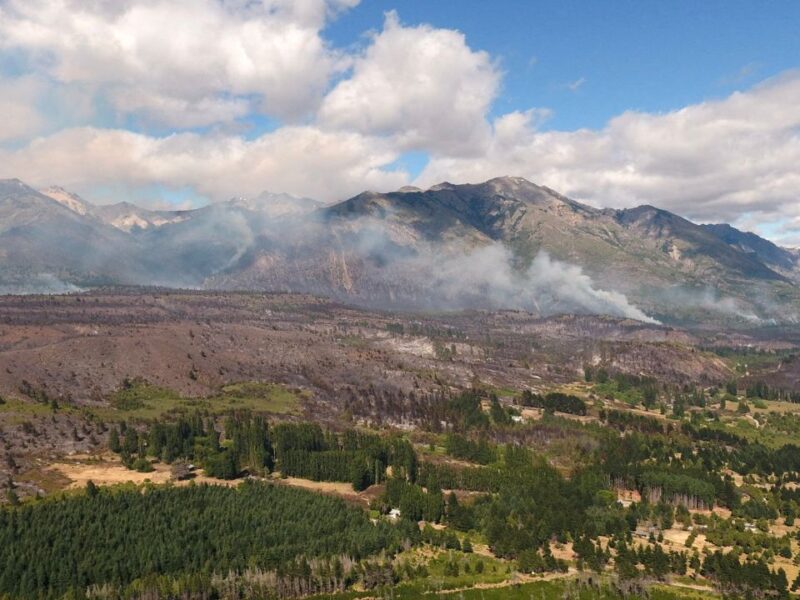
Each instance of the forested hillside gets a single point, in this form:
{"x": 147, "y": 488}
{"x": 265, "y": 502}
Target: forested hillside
{"x": 116, "y": 537}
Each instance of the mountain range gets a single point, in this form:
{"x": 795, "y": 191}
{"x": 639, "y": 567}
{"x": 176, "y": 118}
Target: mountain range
{"x": 504, "y": 243}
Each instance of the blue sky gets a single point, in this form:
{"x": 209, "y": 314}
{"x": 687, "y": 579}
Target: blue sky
{"x": 629, "y": 55}
{"x": 690, "y": 106}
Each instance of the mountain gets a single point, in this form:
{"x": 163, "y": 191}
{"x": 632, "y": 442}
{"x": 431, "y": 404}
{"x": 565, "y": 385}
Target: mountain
{"x": 504, "y": 243}
{"x": 412, "y": 246}
{"x": 277, "y": 205}
{"x": 72, "y": 201}
{"x": 649, "y": 243}
{"x": 782, "y": 260}
{"x": 50, "y": 243}
{"x": 692, "y": 248}
{"x": 122, "y": 215}
{"x": 130, "y": 218}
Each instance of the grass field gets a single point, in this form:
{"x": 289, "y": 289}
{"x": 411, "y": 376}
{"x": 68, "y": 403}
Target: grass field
{"x": 14, "y": 411}
{"x": 269, "y": 397}
{"x": 632, "y": 396}
{"x": 781, "y": 426}
{"x": 140, "y": 400}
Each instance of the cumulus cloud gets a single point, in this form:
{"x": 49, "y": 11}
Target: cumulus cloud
{"x": 423, "y": 86}
{"x": 717, "y": 160}
{"x": 412, "y": 87}
{"x": 301, "y": 160}
{"x": 728, "y": 160}
{"x": 183, "y": 63}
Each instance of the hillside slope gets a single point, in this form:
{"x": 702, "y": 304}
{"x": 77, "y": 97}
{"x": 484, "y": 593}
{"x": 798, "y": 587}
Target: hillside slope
{"x": 425, "y": 248}
{"x": 46, "y": 244}
{"x": 504, "y": 243}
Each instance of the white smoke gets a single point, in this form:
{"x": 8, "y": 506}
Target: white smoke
{"x": 391, "y": 267}
{"x": 39, "y": 283}
{"x": 711, "y": 300}
{"x": 486, "y": 277}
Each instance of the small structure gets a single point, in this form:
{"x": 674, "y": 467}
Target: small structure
{"x": 181, "y": 471}
{"x": 394, "y": 514}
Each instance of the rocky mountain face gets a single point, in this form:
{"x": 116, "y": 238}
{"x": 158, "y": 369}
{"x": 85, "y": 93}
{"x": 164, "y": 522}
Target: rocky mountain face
{"x": 47, "y": 243}
{"x": 68, "y": 199}
{"x": 782, "y": 260}
{"x": 505, "y": 243}
{"x": 125, "y": 216}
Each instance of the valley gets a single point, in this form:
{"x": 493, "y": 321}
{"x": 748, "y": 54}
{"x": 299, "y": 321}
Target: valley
{"x": 561, "y": 453}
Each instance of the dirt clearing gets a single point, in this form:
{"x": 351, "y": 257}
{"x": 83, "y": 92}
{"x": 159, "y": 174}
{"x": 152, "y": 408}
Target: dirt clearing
{"x": 110, "y": 472}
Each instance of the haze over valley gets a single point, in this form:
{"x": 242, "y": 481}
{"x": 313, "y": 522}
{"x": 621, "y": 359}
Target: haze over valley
{"x": 506, "y": 243}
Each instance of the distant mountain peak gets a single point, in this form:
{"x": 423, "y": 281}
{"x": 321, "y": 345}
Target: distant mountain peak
{"x": 68, "y": 199}
{"x": 647, "y": 213}
{"x": 509, "y": 181}
{"x": 14, "y": 187}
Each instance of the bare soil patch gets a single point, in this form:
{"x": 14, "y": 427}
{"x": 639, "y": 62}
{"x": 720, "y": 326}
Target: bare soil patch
{"x": 107, "y": 471}
{"x": 335, "y": 488}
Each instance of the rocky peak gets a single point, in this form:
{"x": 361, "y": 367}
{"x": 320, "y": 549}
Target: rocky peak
{"x": 68, "y": 199}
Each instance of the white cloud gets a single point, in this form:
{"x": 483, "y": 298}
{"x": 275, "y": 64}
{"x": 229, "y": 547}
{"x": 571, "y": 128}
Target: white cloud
{"x": 181, "y": 62}
{"x": 180, "y": 113}
{"x": 421, "y": 85}
{"x": 302, "y": 160}
{"x": 20, "y": 118}
{"x": 716, "y": 160}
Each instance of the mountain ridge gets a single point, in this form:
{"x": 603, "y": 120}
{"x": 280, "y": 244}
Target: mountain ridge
{"x": 379, "y": 248}
{"x": 780, "y": 258}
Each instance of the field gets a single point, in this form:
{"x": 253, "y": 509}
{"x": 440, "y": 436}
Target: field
{"x": 140, "y": 400}
{"x": 107, "y": 470}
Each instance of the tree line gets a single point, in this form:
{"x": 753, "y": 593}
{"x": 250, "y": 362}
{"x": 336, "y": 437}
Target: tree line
{"x": 554, "y": 401}
{"x": 251, "y": 446}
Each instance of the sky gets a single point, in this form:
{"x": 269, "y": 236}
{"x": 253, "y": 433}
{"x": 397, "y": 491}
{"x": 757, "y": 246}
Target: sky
{"x": 690, "y": 106}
